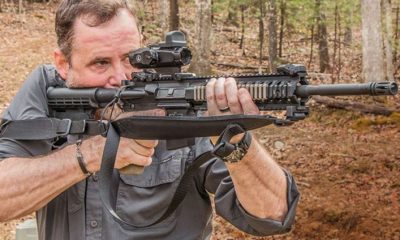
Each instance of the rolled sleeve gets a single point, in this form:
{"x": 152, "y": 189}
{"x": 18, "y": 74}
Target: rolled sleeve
{"x": 227, "y": 205}
{"x": 12, "y": 148}
{"x": 263, "y": 227}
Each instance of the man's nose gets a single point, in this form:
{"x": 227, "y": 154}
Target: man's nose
{"x": 120, "y": 73}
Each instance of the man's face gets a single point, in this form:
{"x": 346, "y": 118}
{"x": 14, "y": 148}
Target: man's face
{"x": 100, "y": 54}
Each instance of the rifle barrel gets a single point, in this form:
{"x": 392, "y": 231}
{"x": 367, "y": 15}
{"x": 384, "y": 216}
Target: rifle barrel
{"x": 372, "y": 88}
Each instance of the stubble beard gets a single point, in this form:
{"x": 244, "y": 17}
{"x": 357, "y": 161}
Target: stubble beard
{"x": 70, "y": 81}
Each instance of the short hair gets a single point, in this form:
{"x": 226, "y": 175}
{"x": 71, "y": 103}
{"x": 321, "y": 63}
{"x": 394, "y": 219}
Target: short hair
{"x": 97, "y": 12}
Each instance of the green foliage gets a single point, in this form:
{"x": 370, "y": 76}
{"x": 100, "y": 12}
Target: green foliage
{"x": 230, "y": 9}
{"x": 300, "y": 14}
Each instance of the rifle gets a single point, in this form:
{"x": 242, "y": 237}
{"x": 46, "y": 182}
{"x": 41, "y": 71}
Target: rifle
{"x": 182, "y": 95}
{"x": 162, "y": 85}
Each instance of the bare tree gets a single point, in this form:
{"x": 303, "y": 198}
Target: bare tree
{"x": 232, "y": 13}
{"x": 241, "y": 45}
{"x": 322, "y": 39}
{"x": 164, "y": 18}
{"x": 202, "y": 41}
{"x": 348, "y": 31}
{"x": 336, "y": 61}
{"x": 387, "y": 37}
{"x": 372, "y": 41}
{"x": 261, "y": 5}
{"x": 173, "y": 15}
{"x": 282, "y": 25}
{"x": 20, "y": 6}
{"x": 272, "y": 35}
{"x": 311, "y": 44}
{"x": 396, "y": 36}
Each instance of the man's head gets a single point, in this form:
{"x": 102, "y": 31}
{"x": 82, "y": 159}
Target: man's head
{"x": 94, "y": 38}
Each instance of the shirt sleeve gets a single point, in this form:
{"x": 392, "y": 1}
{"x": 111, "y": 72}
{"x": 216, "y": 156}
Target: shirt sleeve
{"x": 30, "y": 102}
{"x": 218, "y": 182}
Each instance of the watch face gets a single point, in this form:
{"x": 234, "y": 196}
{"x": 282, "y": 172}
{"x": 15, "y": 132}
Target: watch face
{"x": 235, "y": 156}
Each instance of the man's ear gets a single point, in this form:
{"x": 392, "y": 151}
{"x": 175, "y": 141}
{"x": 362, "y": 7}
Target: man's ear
{"x": 62, "y": 63}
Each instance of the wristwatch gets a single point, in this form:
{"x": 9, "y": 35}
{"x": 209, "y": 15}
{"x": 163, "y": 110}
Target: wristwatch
{"x": 232, "y": 153}
{"x": 240, "y": 149}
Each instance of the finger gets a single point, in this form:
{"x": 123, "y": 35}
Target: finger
{"x": 212, "y": 107}
{"x": 232, "y": 96}
{"x": 139, "y": 160}
{"x": 143, "y": 147}
{"x": 247, "y": 103}
{"x": 127, "y": 156}
{"x": 220, "y": 95}
{"x": 142, "y": 150}
{"x": 147, "y": 143}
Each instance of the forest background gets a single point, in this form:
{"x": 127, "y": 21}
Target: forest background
{"x": 345, "y": 156}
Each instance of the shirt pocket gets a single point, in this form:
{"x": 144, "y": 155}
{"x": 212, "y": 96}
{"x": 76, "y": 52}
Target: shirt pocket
{"x": 143, "y": 199}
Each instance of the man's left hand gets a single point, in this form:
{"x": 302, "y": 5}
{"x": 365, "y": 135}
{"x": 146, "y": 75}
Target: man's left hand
{"x": 224, "y": 98}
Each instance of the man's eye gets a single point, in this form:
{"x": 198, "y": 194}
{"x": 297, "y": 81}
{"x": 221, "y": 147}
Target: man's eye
{"x": 126, "y": 59}
{"x": 101, "y": 63}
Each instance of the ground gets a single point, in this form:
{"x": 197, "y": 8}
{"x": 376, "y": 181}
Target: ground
{"x": 347, "y": 164}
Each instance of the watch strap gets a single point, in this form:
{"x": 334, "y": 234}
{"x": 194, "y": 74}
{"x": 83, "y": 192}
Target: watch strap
{"x": 223, "y": 148}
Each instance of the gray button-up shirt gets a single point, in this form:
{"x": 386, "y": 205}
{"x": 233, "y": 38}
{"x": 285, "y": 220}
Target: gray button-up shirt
{"x": 78, "y": 213}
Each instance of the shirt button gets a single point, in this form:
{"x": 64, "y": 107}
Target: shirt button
{"x": 93, "y": 224}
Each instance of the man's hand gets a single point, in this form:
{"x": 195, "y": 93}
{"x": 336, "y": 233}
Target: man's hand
{"x": 224, "y": 98}
{"x": 260, "y": 196}
{"x": 134, "y": 152}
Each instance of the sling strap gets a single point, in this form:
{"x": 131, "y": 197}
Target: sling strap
{"x": 136, "y": 127}
{"x": 49, "y": 128}
{"x": 108, "y": 179}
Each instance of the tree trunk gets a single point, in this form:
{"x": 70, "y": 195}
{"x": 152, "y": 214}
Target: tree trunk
{"x": 339, "y": 70}
{"x": 173, "y": 15}
{"x": 348, "y": 36}
{"x": 203, "y": 32}
{"x": 396, "y": 35}
{"x": 212, "y": 11}
{"x": 372, "y": 41}
{"x": 387, "y": 36}
{"x": 241, "y": 45}
{"x": 261, "y": 32}
{"x": 337, "y": 47}
{"x": 272, "y": 35}
{"x": 322, "y": 39}
{"x": 20, "y": 6}
{"x": 164, "y": 18}
{"x": 282, "y": 25}
{"x": 348, "y": 32}
{"x": 335, "y": 41}
{"x": 311, "y": 46}
{"x": 232, "y": 14}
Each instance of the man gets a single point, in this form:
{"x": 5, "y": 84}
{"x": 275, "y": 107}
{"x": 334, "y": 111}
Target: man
{"x": 94, "y": 39}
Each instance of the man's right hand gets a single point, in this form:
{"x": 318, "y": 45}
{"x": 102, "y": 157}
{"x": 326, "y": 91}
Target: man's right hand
{"x": 130, "y": 151}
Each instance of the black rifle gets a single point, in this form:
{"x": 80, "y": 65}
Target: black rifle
{"x": 182, "y": 95}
